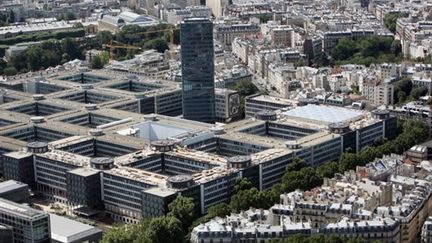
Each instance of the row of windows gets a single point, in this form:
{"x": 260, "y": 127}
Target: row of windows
{"x": 120, "y": 202}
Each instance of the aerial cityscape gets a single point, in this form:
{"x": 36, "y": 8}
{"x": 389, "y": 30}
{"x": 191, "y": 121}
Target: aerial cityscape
{"x": 174, "y": 121}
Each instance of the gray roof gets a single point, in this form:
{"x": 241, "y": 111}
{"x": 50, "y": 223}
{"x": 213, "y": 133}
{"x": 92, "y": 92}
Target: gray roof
{"x": 20, "y": 210}
{"x": 84, "y": 171}
{"x": 68, "y": 230}
{"x": 324, "y": 114}
{"x": 11, "y": 185}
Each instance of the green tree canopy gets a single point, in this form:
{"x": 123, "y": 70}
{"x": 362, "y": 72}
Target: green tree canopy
{"x": 71, "y": 47}
{"x": 391, "y": 18}
{"x": 163, "y": 230}
{"x": 36, "y": 58}
{"x": 242, "y": 184}
{"x": 218, "y": 210}
{"x": 46, "y": 54}
{"x": 367, "y": 50}
{"x": 9, "y": 71}
{"x": 402, "y": 89}
{"x": 419, "y": 91}
{"x": 246, "y": 88}
{"x": 296, "y": 165}
{"x": 183, "y": 208}
{"x": 159, "y": 44}
{"x": 345, "y": 49}
{"x": 67, "y": 16}
{"x": 103, "y": 37}
{"x": 303, "y": 179}
{"x": 327, "y": 170}
{"x": 121, "y": 234}
{"x": 96, "y": 62}
{"x": 7, "y": 17}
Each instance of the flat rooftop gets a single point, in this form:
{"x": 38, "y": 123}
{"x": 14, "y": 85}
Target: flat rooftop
{"x": 20, "y": 209}
{"x": 157, "y": 131}
{"x": 144, "y": 176}
{"x": 10, "y": 185}
{"x": 324, "y": 114}
{"x": 67, "y": 230}
{"x": 161, "y": 192}
{"x": 66, "y": 157}
{"x": 200, "y": 156}
{"x": 272, "y": 99}
{"x": 84, "y": 171}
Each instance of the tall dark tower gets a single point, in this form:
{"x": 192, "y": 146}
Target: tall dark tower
{"x": 197, "y": 54}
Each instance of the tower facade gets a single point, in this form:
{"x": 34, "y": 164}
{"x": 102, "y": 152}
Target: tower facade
{"x": 197, "y": 54}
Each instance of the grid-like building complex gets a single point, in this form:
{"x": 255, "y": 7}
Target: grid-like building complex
{"x": 110, "y": 142}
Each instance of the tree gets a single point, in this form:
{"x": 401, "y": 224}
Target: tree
{"x": 367, "y": 50}
{"x": 401, "y": 97}
{"x": 65, "y": 58}
{"x": 244, "y": 199}
{"x": 70, "y": 16}
{"x": 264, "y": 18}
{"x": 3, "y": 65}
{"x": 296, "y": 165}
{"x": 159, "y": 44}
{"x": 323, "y": 60}
{"x": 345, "y": 49}
{"x": 335, "y": 239}
{"x": 35, "y": 57}
{"x": 359, "y": 240}
{"x": 368, "y": 154}
{"x": 218, "y": 210}
{"x": 96, "y": 62}
{"x": 11, "y": 18}
{"x": 405, "y": 85}
{"x": 418, "y": 92}
{"x": 368, "y": 47}
{"x": 183, "y": 208}
{"x": 306, "y": 178}
{"x": 390, "y": 20}
{"x": 10, "y": 71}
{"x": 104, "y": 55}
{"x": 46, "y": 54}
{"x": 246, "y": 88}
{"x": 123, "y": 234}
{"x": 242, "y": 184}
{"x": 348, "y": 161}
{"x": 78, "y": 25}
{"x": 176, "y": 36}
{"x": 163, "y": 230}
{"x": 67, "y": 16}
{"x": 427, "y": 59}
{"x": 153, "y": 230}
{"x": 19, "y": 61}
{"x": 327, "y": 170}
{"x": 396, "y": 47}
{"x": 69, "y": 46}
{"x": 103, "y": 37}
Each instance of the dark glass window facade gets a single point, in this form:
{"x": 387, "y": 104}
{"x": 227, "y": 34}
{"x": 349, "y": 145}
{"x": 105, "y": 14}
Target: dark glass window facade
{"x": 197, "y": 55}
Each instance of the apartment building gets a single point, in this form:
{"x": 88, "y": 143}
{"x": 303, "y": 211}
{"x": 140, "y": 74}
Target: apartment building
{"x": 375, "y": 202}
{"x": 226, "y": 33}
{"x": 379, "y": 93}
